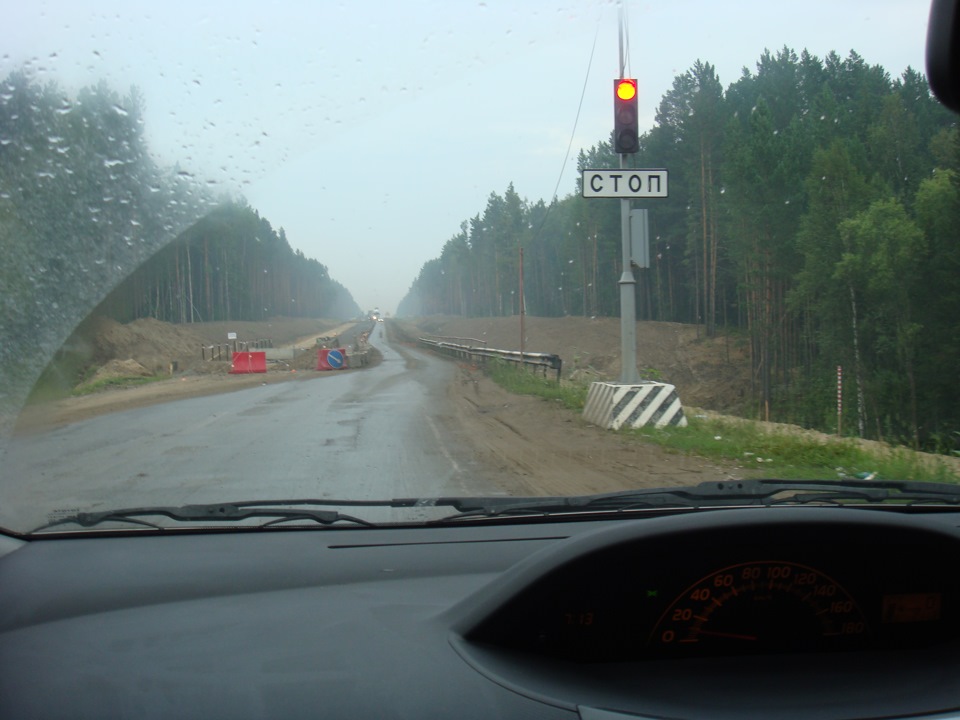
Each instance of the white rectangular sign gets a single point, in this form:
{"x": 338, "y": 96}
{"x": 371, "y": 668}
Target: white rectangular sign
{"x": 624, "y": 183}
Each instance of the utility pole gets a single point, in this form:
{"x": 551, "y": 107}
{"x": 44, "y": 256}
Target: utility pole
{"x": 523, "y": 309}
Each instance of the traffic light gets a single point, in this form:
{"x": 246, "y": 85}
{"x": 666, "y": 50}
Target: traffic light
{"x": 626, "y": 137}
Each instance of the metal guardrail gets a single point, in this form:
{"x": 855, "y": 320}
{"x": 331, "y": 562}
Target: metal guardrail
{"x": 458, "y": 339}
{"x": 547, "y": 361}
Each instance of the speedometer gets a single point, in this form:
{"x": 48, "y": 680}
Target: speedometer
{"x": 761, "y": 606}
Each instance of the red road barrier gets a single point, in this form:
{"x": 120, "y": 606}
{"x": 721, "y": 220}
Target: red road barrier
{"x": 331, "y": 359}
{"x": 248, "y": 362}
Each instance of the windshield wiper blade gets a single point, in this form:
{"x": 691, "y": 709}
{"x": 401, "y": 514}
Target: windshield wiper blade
{"x": 772, "y": 491}
{"x": 706, "y": 495}
{"x": 284, "y": 510}
{"x": 216, "y": 512}
{"x": 709, "y": 495}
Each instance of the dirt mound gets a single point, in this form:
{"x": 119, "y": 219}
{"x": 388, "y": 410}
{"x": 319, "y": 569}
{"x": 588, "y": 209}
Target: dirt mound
{"x": 121, "y": 369}
{"x": 91, "y": 346}
{"x": 160, "y": 346}
{"x": 151, "y": 343}
{"x": 711, "y": 373}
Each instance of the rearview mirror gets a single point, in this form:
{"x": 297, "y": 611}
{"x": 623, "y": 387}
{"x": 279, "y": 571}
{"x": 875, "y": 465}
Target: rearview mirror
{"x": 943, "y": 52}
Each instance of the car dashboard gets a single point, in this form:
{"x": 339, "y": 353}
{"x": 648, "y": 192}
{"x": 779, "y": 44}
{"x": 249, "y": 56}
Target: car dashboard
{"x": 783, "y": 612}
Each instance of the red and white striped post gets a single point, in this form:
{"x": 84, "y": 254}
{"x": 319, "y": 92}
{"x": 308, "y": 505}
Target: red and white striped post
{"x": 839, "y": 399}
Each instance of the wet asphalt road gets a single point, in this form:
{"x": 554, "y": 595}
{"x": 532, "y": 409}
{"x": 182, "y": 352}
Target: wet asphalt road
{"x": 383, "y": 432}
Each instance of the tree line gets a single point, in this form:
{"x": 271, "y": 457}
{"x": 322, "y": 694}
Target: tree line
{"x": 230, "y": 265}
{"x": 813, "y": 211}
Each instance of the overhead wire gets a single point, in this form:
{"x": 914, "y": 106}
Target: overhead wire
{"x": 625, "y": 29}
{"x": 576, "y": 119}
{"x": 573, "y": 131}
{"x": 620, "y": 36}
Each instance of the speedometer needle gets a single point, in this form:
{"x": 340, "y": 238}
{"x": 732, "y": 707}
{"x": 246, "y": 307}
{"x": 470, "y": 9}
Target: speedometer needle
{"x": 733, "y": 636}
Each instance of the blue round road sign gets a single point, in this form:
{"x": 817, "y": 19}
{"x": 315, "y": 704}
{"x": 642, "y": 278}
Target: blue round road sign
{"x": 335, "y": 358}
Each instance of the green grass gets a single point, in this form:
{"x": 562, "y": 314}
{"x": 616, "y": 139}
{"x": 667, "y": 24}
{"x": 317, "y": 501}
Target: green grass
{"x": 522, "y": 381}
{"x": 88, "y": 388}
{"x": 757, "y": 451}
{"x": 794, "y": 456}
{"x": 58, "y": 379}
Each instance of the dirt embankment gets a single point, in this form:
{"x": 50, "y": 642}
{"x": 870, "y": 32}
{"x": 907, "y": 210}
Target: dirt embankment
{"x": 544, "y": 444}
{"x": 175, "y": 358}
{"x": 709, "y": 373}
{"x": 159, "y": 346}
{"x": 535, "y": 447}
{"x": 529, "y": 445}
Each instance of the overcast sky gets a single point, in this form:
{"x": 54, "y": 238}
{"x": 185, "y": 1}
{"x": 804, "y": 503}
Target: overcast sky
{"x": 370, "y": 130}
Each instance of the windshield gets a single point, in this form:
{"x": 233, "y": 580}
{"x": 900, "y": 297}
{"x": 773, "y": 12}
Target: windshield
{"x": 307, "y": 254}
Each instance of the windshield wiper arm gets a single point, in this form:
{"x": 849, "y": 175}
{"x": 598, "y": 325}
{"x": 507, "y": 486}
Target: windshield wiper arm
{"x": 216, "y": 512}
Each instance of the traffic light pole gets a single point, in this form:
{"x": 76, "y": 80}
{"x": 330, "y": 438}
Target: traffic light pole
{"x": 631, "y": 402}
{"x": 628, "y": 298}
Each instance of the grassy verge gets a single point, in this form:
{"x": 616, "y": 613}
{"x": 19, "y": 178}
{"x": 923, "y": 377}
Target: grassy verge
{"x": 89, "y": 388}
{"x": 757, "y": 451}
{"x": 521, "y": 381}
{"x": 795, "y": 455}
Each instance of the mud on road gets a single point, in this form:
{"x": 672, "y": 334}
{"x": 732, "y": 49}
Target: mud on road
{"x": 532, "y": 446}
{"x": 537, "y": 447}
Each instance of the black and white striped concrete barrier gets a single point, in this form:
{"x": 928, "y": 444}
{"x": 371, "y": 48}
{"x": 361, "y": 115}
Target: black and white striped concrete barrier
{"x": 612, "y": 405}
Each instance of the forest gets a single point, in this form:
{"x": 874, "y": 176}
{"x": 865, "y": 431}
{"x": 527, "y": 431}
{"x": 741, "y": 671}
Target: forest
{"x": 812, "y": 214}
{"x": 83, "y": 203}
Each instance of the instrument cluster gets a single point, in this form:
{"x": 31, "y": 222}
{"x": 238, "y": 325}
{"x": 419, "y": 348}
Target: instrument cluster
{"x": 729, "y": 591}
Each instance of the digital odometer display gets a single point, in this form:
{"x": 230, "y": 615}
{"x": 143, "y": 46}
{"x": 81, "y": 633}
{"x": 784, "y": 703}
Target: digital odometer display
{"x": 912, "y": 607}
{"x": 760, "y": 606}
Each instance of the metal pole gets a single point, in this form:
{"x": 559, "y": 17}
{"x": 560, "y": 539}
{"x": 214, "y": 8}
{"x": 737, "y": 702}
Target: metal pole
{"x": 523, "y": 310}
{"x": 628, "y": 283}
{"x": 628, "y": 299}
